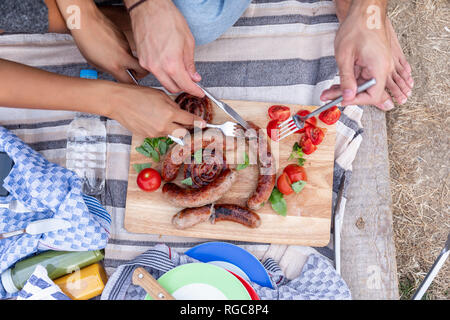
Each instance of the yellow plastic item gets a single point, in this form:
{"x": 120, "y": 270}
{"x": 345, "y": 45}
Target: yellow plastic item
{"x": 83, "y": 284}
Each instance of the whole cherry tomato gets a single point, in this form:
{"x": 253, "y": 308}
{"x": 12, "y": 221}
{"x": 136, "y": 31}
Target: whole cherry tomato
{"x": 295, "y": 173}
{"x": 330, "y": 116}
{"x": 278, "y": 112}
{"x": 272, "y": 130}
{"x": 284, "y": 184}
{"x": 149, "y": 179}
{"x": 311, "y": 122}
{"x": 316, "y": 135}
{"x": 307, "y": 146}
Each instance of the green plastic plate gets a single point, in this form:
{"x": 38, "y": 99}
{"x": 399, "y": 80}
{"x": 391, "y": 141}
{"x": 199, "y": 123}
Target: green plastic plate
{"x": 202, "y": 281}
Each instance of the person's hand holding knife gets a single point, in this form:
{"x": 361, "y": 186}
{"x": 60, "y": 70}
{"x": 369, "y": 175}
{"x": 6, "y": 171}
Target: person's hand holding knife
{"x": 165, "y": 45}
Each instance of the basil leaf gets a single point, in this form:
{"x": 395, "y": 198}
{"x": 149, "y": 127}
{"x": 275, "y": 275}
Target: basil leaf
{"x": 301, "y": 162}
{"x": 298, "y": 186}
{"x": 198, "y": 156}
{"x": 162, "y": 147}
{"x": 147, "y": 144}
{"x": 143, "y": 151}
{"x": 275, "y": 196}
{"x": 169, "y": 141}
{"x": 297, "y": 152}
{"x": 277, "y": 202}
{"x": 141, "y": 166}
{"x": 280, "y": 207}
{"x": 187, "y": 181}
{"x": 245, "y": 164}
{"x": 155, "y": 155}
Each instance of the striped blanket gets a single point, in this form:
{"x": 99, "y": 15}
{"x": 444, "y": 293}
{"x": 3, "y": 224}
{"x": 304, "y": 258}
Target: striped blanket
{"x": 278, "y": 51}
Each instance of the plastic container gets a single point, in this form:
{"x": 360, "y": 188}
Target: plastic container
{"x": 83, "y": 284}
{"x": 57, "y": 263}
{"x": 86, "y": 147}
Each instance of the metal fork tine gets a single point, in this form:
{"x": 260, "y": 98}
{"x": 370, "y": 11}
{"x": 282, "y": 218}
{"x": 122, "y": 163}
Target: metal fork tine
{"x": 288, "y": 128}
{"x": 285, "y": 122}
{"x": 286, "y": 135}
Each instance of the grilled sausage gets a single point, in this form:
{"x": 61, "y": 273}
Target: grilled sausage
{"x": 189, "y": 217}
{"x": 201, "y": 107}
{"x": 187, "y": 197}
{"x": 177, "y": 155}
{"x": 266, "y": 175}
{"x": 235, "y": 213}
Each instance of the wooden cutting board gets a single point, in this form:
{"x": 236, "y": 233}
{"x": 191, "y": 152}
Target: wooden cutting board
{"x": 309, "y": 212}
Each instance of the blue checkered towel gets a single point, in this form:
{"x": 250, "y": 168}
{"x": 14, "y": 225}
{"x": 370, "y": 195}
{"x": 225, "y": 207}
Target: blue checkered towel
{"x": 48, "y": 191}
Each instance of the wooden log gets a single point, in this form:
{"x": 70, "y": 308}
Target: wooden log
{"x": 367, "y": 246}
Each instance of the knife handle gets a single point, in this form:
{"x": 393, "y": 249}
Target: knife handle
{"x": 11, "y": 234}
{"x": 144, "y": 279}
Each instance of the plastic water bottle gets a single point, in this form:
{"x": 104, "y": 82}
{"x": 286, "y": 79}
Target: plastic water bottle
{"x": 86, "y": 147}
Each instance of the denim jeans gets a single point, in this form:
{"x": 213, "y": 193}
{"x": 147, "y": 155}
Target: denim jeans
{"x": 209, "y": 19}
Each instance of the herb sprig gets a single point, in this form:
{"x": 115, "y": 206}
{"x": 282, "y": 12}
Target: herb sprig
{"x": 155, "y": 147}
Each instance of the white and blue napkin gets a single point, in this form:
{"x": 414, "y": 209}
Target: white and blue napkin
{"x": 48, "y": 191}
{"x": 40, "y": 287}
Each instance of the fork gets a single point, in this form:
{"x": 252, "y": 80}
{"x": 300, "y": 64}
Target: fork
{"x": 228, "y": 128}
{"x": 296, "y": 122}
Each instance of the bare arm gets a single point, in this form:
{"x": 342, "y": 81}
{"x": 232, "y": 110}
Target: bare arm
{"x": 133, "y": 106}
{"x": 27, "y": 87}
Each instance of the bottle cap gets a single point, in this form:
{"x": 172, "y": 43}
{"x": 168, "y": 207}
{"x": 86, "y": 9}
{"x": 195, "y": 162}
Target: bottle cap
{"x": 88, "y": 74}
{"x": 8, "y": 283}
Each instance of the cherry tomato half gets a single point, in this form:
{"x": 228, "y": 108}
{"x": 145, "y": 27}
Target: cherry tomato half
{"x": 272, "y": 129}
{"x": 316, "y": 135}
{"x": 330, "y": 116}
{"x": 284, "y": 184}
{"x": 295, "y": 173}
{"x": 307, "y": 146}
{"x": 311, "y": 122}
{"x": 278, "y": 112}
{"x": 149, "y": 179}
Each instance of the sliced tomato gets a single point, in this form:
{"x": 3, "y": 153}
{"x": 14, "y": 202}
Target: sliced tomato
{"x": 295, "y": 173}
{"x": 272, "y": 130}
{"x": 278, "y": 112}
{"x": 311, "y": 122}
{"x": 307, "y": 146}
{"x": 284, "y": 184}
{"x": 316, "y": 135}
{"x": 330, "y": 116}
{"x": 149, "y": 179}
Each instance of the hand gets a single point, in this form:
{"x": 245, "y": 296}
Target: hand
{"x": 361, "y": 54}
{"x": 102, "y": 44}
{"x": 150, "y": 112}
{"x": 165, "y": 45}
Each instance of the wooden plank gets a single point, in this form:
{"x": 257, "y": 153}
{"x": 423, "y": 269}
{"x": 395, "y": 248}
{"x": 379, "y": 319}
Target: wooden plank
{"x": 367, "y": 247}
{"x": 309, "y": 212}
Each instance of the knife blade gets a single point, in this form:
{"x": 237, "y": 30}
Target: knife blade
{"x": 39, "y": 226}
{"x": 225, "y": 107}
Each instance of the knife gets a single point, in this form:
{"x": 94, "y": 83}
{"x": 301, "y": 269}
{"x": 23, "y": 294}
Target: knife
{"x": 175, "y": 139}
{"x": 39, "y": 226}
{"x": 225, "y": 107}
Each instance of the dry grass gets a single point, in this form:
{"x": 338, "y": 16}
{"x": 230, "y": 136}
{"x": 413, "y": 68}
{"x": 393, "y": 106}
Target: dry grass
{"x": 418, "y": 135}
